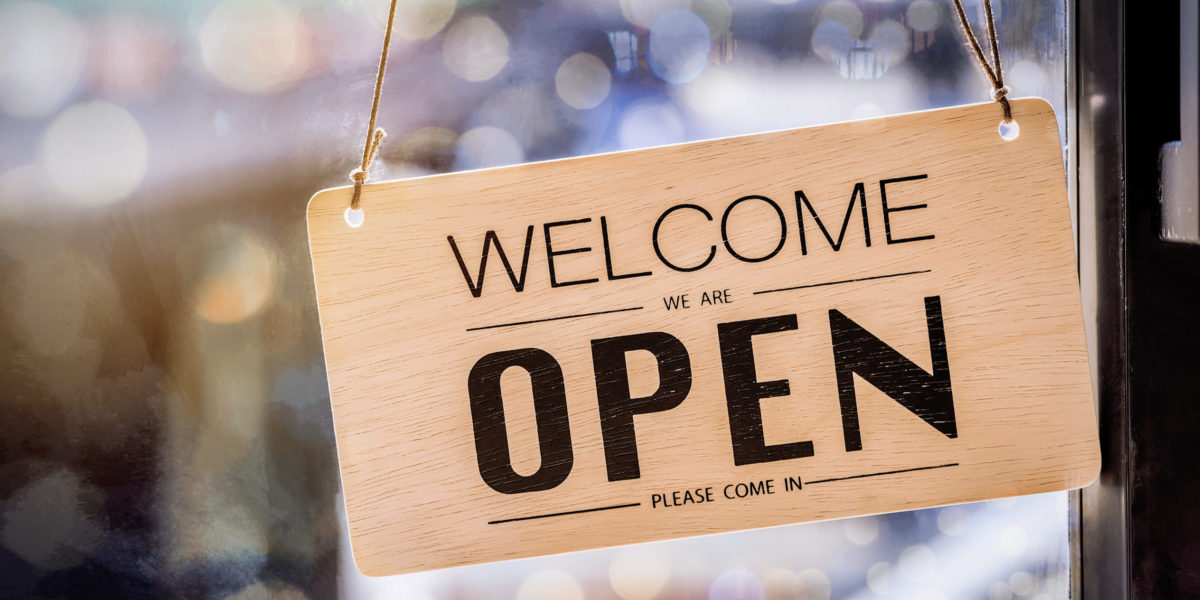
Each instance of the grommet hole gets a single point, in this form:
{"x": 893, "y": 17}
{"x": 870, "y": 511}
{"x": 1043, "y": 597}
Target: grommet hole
{"x": 1009, "y": 130}
{"x": 354, "y": 217}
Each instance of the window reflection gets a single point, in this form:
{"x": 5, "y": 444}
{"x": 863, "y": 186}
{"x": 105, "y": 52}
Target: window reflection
{"x": 165, "y": 414}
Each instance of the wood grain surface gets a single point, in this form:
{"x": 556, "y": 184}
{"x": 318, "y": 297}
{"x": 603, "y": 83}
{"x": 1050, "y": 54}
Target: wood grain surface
{"x": 942, "y": 361}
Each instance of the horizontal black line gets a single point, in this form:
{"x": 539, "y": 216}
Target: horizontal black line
{"x": 563, "y": 514}
{"x": 591, "y": 314}
{"x": 883, "y": 473}
{"x": 813, "y": 285}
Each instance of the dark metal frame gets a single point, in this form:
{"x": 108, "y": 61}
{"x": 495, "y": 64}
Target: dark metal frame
{"x": 1099, "y": 69}
{"x": 1139, "y": 525}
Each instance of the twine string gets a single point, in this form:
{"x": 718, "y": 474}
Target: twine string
{"x": 994, "y": 74}
{"x": 374, "y": 135}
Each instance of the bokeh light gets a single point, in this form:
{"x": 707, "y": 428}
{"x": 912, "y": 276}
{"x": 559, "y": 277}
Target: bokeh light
{"x": 415, "y": 19}
{"x": 42, "y": 52}
{"x": 950, "y": 520}
{"x": 20, "y": 184}
{"x": 838, "y": 38}
{"x": 890, "y": 41}
{"x": 643, "y": 13}
{"x": 1021, "y": 583}
{"x": 679, "y": 46}
{"x": 879, "y": 578}
{"x": 95, "y": 152}
{"x": 923, "y": 15}
{"x": 737, "y": 584}
{"x": 1000, "y": 591}
{"x": 131, "y": 54}
{"x": 862, "y": 530}
{"x": 918, "y": 563}
{"x": 530, "y": 111}
{"x": 256, "y": 46}
{"x": 582, "y": 81}
{"x": 550, "y": 585}
{"x": 782, "y": 584}
{"x": 650, "y": 124}
{"x": 814, "y": 585}
{"x": 639, "y": 572}
{"x": 475, "y": 48}
{"x": 717, "y": 15}
{"x": 831, "y": 40}
{"x": 487, "y": 146}
{"x": 844, "y": 12}
{"x": 233, "y": 273}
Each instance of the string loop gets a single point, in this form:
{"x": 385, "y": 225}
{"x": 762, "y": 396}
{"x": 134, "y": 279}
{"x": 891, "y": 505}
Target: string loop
{"x": 375, "y": 135}
{"x": 995, "y": 75}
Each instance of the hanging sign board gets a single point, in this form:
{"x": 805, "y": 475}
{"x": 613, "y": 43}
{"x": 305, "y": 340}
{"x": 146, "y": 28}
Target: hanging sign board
{"x": 856, "y": 318}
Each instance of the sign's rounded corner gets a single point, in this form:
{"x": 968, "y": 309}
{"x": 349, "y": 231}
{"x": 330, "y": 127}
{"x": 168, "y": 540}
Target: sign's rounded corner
{"x": 321, "y": 194}
{"x": 1039, "y": 103}
{"x": 1091, "y": 471}
{"x": 372, "y": 568}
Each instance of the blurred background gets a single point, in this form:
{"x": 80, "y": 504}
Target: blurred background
{"x": 164, "y": 417}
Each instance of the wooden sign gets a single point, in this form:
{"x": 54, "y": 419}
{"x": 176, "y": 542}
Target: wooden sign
{"x": 856, "y": 318}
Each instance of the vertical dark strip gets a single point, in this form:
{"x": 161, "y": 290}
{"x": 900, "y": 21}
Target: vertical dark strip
{"x": 1104, "y": 568}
